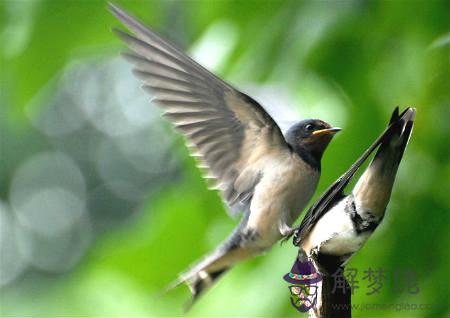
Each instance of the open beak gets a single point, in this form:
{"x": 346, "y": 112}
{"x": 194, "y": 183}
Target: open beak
{"x": 327, "y": 131}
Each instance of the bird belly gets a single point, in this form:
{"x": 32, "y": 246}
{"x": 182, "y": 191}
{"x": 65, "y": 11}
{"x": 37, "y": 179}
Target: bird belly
{"x": 279, "y": 197}
{"x": 335, "y": 234}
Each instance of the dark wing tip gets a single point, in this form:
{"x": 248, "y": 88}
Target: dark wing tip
{"x": 408, "y": 128}
{"x": 394, "y": 116}
{"x": 409, "y": 117}
{"x": 399, "y": 121}
{"x": 409, "y": 114}
{"x": 397, "y": 126}
{"x": 398, "y": 138}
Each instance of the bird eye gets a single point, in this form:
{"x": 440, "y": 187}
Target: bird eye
{"x": 309, "y": 127}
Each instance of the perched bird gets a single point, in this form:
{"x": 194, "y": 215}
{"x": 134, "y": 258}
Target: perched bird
{"x": 338, "y": 225}
{"x": 259, "y": 172}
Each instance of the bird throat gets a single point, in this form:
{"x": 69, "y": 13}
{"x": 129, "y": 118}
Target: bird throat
{"x": 310, "y": 155}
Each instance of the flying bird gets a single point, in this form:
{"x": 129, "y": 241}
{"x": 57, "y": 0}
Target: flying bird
{"x": 259, "y": 172}
{"x": 338, "y": 225}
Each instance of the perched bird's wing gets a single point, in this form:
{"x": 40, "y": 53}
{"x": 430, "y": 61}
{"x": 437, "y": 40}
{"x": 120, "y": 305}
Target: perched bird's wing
{"x": 229, "y": 130}
{"x": 336, "y": 190}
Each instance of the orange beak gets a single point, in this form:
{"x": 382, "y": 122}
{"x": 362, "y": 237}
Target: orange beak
{"x": 326, "y": 131}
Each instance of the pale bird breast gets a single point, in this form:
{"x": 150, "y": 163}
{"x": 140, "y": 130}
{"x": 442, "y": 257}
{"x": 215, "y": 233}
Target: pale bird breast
{"x": 286, "y": 186}
{"x": 334, "y": 233}
{"x": 292, "y": 183}
{"x": 304, "y": 183}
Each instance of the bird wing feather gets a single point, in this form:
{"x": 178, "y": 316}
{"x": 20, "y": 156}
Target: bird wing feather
{"x": 228, "y": 129}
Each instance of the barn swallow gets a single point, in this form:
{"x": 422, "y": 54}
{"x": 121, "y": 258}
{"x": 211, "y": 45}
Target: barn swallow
{"x": 260, "y": 172}
{"x": 338, "y": 225}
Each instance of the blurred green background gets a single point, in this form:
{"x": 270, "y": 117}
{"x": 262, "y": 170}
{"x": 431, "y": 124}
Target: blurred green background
{"x": 101, "y": 205}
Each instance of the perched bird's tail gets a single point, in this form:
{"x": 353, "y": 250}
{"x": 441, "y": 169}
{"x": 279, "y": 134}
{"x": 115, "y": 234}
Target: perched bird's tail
{"x": 395, "y": 144}
{"x": 373, "y": 189}
{"x": 207, "y": 271}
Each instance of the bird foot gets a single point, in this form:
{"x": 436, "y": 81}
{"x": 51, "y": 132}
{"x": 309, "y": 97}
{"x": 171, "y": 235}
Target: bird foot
{"x": 296, "y": 236}
{"x": 291, "y": 232}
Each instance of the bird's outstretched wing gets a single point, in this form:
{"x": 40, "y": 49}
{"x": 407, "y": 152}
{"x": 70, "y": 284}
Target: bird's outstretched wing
{"x": 228, "y": 129}
{"x": 336, "y": 190}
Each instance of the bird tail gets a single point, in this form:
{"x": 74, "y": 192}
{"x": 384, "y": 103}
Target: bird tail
{"x": 202, "y": 275}
{"x": 395, "y": 143}
{"x": 375, "y": 185}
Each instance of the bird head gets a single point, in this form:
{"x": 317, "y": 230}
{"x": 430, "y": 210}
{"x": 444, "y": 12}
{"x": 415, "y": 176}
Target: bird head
{"x": 311, "y": 137}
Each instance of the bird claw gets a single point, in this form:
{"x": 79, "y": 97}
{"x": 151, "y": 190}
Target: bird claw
{"x": 296, "y": 236}
{"x": 289, "y": 232}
